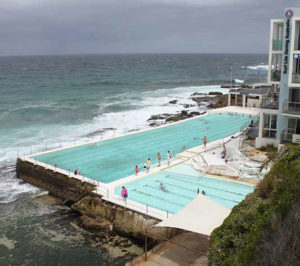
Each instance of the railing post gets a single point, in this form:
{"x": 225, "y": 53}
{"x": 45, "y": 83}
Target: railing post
{"x": 147, "y": 209}
{"x": 146, "y": 243}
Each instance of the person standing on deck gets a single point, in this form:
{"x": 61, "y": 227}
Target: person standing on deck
{"x": 204, "y": 141}
{"x": 124, "y": 193}
{"x": 136, "y": 170}
{"x": 148, "y": 163}
{"x": 159, "y": 158}
{"x": 168, "y": 157}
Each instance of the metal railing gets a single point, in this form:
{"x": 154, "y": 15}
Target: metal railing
{"x": 291, "y": 107}
{"x": 286, "y": 137}
{"x": 296, "y": 78}
{"x": 269, "y": 103}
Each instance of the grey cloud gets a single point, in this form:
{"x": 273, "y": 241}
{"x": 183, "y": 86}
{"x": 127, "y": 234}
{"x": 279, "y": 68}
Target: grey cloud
{"x": 136, "y": 26}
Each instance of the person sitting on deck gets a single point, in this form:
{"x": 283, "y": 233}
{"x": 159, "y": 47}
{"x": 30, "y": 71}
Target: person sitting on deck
{"x": 162, "y": 187}
{"x": 124, "y": 193}
{"x": 223, "y": 153}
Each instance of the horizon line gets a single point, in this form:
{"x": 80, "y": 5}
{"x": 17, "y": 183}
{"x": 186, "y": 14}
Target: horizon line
{"x": 146, "y": 53}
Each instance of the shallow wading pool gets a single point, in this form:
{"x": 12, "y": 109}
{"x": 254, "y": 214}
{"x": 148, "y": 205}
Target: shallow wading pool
{"x": 113, "y": 159}
{"x": 181, "y": 183}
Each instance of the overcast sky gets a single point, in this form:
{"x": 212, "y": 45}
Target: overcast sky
{"x": 137, "y": 26}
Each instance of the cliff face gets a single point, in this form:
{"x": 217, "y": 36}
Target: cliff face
{"x": 264, "y": 228}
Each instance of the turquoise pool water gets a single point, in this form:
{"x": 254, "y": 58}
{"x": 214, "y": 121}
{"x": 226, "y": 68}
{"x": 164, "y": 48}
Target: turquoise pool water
{"x": 181, "y": 183}
{"x": 116, "y": 158}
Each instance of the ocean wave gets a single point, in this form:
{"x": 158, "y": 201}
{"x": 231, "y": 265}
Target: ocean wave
{"x": 12, "y": 188}
{"x": 125, "y": 114}
{"x": 257, "y": 67}
{"x": 239, "y": 81}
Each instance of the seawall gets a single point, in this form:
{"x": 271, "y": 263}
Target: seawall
{"x": 90, "y": 205}
{"x": 58, "y": 184}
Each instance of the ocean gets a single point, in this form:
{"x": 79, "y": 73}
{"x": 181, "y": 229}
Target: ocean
{"x": 48, "y": 101}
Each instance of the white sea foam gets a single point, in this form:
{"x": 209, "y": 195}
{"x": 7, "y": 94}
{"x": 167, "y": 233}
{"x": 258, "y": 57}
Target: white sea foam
{"x": 262, "y": 67}
{"x": 239, "y": 81}
{"x": 11, "y": 188}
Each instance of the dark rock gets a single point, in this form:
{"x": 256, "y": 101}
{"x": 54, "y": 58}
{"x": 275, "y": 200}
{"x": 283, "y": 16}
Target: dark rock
{"x": 184, "y": 112}
{"x": 186, "y": 105}
{"x": 205, "y": 99}
{"x": 173, "y": 101}
{"x": 175, "y": 118}
{"x": 159, "y": 117}
{"x": 99, "y": 131}
{"x": 198, "y": 93}
{"x": 93, "y": 222}
{"x": 153, "y": 124}
{"x": 194, "y": 113}
{"x": 215, "y": 93}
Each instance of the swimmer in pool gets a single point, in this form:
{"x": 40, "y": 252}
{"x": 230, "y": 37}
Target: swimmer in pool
{"x": 162, "y": 187}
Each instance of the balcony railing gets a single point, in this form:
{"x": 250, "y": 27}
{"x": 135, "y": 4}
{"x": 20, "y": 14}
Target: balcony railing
{"x": 296, "y": 78}
{"x": 286, "y": 137}
{"x": 291, "y": 107}
{"x": 275, "y": 75}
{"x": 269, "y": 103}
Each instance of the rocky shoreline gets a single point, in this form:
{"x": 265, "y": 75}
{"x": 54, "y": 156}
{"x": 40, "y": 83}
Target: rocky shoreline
{"x": 209, "y": 100}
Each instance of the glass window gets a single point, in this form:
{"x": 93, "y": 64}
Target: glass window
{"x": 277, "y": 36}
{"x": 297, "y": 36}
{"x": 276, "y": 67}
{"x": 270, "y": 125}
{"x": 296, "y": 69}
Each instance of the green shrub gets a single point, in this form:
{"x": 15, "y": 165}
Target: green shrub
{"x": 252, "y": 222}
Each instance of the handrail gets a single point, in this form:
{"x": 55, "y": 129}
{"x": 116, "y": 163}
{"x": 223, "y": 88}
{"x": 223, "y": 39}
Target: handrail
{"x": 291, "y": 107}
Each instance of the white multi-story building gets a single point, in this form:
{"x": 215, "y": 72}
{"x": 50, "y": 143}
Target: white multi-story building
{"x": 283, "y": 125}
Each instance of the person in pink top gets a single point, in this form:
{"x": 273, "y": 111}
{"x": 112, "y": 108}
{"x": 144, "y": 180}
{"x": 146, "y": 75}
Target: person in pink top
{"x": 124, "y": 193}
{"x": 136, "y": 170}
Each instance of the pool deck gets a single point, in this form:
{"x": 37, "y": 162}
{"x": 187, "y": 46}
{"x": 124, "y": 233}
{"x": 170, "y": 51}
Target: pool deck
{"x": 190, "y": 156}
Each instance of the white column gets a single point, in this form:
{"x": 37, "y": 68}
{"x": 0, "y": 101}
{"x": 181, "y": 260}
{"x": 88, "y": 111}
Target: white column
{"x": 235, "y": 99}
{"x": 261, "y": 125}
{"x": 244, "y": 100}
{"x": 229, "y": 98}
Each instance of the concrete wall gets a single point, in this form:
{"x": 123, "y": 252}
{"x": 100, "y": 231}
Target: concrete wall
{"x": 87, "y": 203}
{"x": 59, "y": 185}
{"x": 264, "y": 142}
{"x": 127, "y": 222}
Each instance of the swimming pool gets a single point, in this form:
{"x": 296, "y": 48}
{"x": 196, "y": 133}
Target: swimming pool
{"x": 181, "y": 183}
{"x": 113, "y": 159}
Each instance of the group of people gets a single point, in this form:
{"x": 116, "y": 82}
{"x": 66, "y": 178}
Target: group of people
{"x": 124, "y": 191}
{"x": 147, "y": 164}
